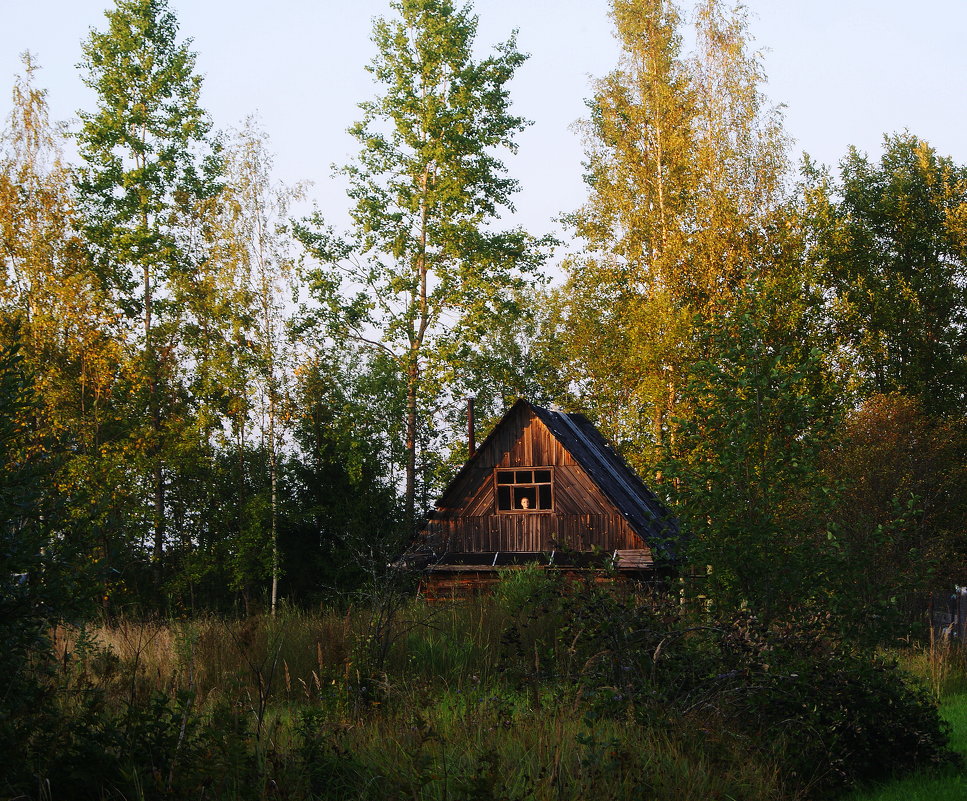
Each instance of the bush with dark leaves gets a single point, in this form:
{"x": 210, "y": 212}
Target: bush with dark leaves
{"x": 826, "y": 713}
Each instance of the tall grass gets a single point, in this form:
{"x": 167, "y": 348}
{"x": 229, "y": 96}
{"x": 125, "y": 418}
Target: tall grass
{"x": 454, "y": 711}
{"x": 497, "y": 697}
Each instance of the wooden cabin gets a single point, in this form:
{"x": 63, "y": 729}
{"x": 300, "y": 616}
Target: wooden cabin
{"x": 544, "y": 487}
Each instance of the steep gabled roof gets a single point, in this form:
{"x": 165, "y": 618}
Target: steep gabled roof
{"x": 637, "y": 504}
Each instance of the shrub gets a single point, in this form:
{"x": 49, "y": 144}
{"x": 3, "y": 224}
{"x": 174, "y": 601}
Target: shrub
{"x": 826, "y": 714}
{"x": 834, "y": 716}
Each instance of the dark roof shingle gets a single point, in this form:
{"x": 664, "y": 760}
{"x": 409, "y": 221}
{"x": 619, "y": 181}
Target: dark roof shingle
{"x": 636, "y": 503}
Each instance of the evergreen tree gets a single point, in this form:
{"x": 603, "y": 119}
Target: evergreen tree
{"x": 344, "y": 520}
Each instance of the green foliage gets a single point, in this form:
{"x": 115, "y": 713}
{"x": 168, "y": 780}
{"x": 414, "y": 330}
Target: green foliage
{"x": 141, "y": 144}
{"x": 524, "y": 586}
{"x": 40, "y": 578}
{"x": 342, "y": 513}
{"x": 148, "y": 167}
{"x": 55, "y": 313}
{"x": 762, "y": 407}
{"x": 686, "y": 164}
{"x": 144, "y": 387}
{"x": 22, "y": 594}
{"x": 839, "y": 716}
{"x": 332, "y": 771}
{"x": 889, "y": 236}
{"x": 424, "y": 273}
{"x": 826, "y": 714}
{"x": 576, "y": 690}
{"x": 901, "y": 510}
{"x": 934, "y": 785}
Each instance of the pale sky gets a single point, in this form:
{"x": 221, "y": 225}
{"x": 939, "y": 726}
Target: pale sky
{"x": 847, "y": 71}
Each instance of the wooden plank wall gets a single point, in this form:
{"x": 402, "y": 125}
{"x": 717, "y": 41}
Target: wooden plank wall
{"x": 583, "y": 517}
{"x": 535, "y": 532}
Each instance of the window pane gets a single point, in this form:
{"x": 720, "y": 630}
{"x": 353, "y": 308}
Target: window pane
{"x": 524, "y": 477}
{"x": 505, "y": 476}
{"x": 503, "y": 498}
{"x": 544, "y": 493}
{"x": 542, "y": 476}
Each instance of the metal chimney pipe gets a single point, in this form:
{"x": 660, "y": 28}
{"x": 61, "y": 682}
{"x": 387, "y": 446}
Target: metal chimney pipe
{"x": 471, "y": 434}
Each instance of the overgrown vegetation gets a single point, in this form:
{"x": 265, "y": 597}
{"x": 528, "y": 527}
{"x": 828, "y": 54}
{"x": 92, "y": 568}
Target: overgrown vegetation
{"x": 183, "y": 447}
{"x": 938, "y": 785}
{"x": 552, "y": 688}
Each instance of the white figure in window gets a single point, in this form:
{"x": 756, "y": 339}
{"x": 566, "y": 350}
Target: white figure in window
{"x": 525, "y": 503}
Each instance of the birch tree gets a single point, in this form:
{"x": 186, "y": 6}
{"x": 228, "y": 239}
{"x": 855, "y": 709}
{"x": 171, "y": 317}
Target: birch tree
{"x": 254, "y": 211}
{"x": 686, "y": 164}
{"x": 147, "y": 164}
{"x": 424, "y": 267}
{"x": 48, "y": 288}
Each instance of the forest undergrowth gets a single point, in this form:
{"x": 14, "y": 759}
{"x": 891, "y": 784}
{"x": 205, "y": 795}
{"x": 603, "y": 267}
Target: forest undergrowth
{"x": 548, "y": 689}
